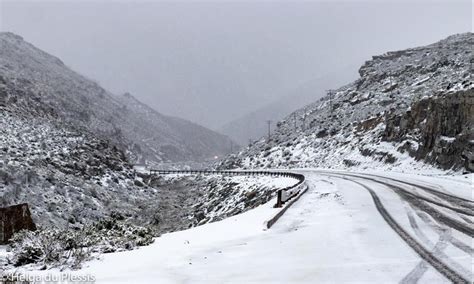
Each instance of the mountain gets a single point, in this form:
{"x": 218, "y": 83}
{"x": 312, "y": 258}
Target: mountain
{"x": 253, "y": 125}
{"x": 161, "y": 138}
{"x": 130, "y": 125}
{"x": 67, "y": 146}
{"x": 409, "y": 109}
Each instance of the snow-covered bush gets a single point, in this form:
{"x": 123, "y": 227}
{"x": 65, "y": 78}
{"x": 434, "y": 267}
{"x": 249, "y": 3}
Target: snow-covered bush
{"x": 70, "y": 247}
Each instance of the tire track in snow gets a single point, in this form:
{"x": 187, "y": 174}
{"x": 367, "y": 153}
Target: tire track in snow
{"x": 467, "y": 204}
{"x": 424, "y": 253}
{"x": 422, "y": 203}
{"x": 420, "y": 269}
{"x": 440, "y": 217}
{"x": 445, "y": 237}
{"x": 466, "y": 219}
{"x": 444, "y": 195}
{"x": 455, "y": 242}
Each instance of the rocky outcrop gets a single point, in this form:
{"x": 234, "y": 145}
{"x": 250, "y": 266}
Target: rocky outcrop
{"x": 439, "y": 130}
{"x": 14, "y": 219}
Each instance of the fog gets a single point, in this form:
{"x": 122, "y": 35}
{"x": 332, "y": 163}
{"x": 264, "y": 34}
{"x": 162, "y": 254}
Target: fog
{"x": 211, "y": 62}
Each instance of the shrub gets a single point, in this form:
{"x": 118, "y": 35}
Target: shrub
{"x": 53, "y": 247}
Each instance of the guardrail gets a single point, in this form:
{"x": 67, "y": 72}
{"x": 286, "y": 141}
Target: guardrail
{"x": 283, "y": 194}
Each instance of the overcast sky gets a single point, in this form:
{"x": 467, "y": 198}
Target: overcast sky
{"x": 211, "y": 62}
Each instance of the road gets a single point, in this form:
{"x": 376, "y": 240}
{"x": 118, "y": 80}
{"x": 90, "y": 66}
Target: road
{"x": 442, "y": 212}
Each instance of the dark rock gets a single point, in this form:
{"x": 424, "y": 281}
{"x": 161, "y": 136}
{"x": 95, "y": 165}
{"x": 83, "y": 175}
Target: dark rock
{"x": 322, "y": 133}
{"x": 443, "y": 127}
{"x": 14, "y": 219}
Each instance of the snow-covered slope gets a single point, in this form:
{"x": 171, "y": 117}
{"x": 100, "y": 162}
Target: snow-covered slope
{"x": 160, "y": 138}
{"x": 408, "y": 107}
{"x": 192, "y": 200}
{"x": 67, "y": 175}
{"x": 41, "y": 78}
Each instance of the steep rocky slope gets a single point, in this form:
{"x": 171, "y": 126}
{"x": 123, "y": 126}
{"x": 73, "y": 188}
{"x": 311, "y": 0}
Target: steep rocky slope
{"x": 64, "y": 172}
{"x": 408, "y": 109}
{"x": 83, "y": 102}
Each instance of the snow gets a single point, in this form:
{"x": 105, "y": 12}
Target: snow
{"x": 334, "y": 233}
{"x": 448, "y": 139}
{"x": 440, "y": 181}
{"x": 3, "y": 251}
{"x": 420, "y": 81}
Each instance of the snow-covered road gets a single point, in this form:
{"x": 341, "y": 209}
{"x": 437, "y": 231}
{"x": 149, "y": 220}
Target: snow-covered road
{"x": 437, "y": 219}
{"x": 334, "y": 233}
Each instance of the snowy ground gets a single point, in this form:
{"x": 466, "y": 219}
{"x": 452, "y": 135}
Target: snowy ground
{"x": 334, "y": 233}
{"x": 3, "y": 251}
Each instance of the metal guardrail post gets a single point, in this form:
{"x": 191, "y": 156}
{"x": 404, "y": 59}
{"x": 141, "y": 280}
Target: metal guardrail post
{"x": 279, "y": 197}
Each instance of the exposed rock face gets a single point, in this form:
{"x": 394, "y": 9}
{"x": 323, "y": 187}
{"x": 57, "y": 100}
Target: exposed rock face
{"x": 14, "y": 219}
{"x": 443, "y": 126}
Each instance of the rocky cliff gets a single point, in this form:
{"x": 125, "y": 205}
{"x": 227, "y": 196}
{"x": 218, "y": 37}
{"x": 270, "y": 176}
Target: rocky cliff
{"x": 442, "y": 127}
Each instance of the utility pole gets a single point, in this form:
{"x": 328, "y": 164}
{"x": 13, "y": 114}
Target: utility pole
{"x": 304, "y": 121}
{"x": 294, "y": 120}
{"x": 269, "y": 122}
{"x": 330, "y": 101}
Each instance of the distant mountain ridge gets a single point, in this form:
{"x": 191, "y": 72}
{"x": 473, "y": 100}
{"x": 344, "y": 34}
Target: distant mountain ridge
{"x": 409, "y": 109}
{"x": 179, "y": 139}
{"x": 145, "y": 134}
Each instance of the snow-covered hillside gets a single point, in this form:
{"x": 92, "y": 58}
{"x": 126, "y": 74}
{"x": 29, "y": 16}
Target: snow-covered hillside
{"x": 39, "y": 78}
{"x": 408, "y": 108}
{"x": 159, "y": 138}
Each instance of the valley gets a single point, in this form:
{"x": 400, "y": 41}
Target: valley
{"x": 369, "y": 181}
